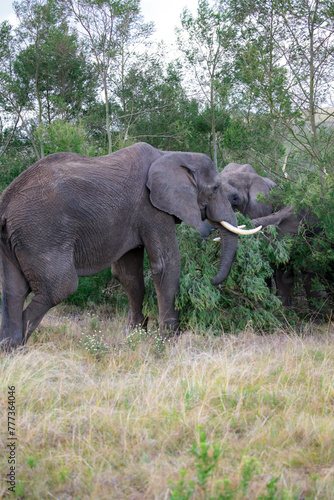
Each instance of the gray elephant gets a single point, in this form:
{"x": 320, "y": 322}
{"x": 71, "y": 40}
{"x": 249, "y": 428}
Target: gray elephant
{"x": 242, "y": 185}
{"x": 70, "y": 215}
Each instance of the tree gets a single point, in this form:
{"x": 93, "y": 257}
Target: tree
{"x": 10, "y": 99}
{"x": 51, "y": 67}
{"x": 299, "y": 69}
{"x": 155, "y": 107}
{"x": 104, "y": 24}
{"x": 207, "y": 43}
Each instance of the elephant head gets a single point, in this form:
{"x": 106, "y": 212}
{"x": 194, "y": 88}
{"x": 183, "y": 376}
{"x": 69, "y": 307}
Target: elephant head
{"x": 193, "y": 193}
{"x": 242, "y": 185}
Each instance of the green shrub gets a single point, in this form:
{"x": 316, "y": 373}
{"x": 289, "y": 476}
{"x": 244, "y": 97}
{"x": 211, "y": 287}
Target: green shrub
{"x": 312, "y": 191}
{"x": 92, "y": 289}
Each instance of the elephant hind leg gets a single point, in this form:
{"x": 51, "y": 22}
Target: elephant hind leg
{"x": 15, "y": 290}
{"x": 129, "y": 270}
{"x": 54, "y": 286}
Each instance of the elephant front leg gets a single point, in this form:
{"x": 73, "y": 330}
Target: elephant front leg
{"x": 165, "y": 267}
{"x": 129, "y": 270}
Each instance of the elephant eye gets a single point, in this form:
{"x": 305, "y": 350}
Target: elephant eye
{"x": 236, "y": 200}
{"x": 215, "y": 188}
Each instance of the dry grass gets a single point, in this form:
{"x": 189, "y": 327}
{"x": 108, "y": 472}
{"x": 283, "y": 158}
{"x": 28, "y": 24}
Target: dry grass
{"x": 121, "y": 424}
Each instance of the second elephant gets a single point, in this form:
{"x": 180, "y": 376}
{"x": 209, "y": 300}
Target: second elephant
{"x": 242, "y": 186}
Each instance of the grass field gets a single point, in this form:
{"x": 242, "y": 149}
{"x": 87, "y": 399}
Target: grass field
{"x": 100, "y": 416}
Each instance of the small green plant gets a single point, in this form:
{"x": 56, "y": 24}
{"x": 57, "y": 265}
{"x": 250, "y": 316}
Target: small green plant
{"x": 139, "y": 334}
{"x": 94, "y": 343}
{"x": 135, "y": 336}
{"x": 32, "y": 461}
{"x": 207, "y": 457}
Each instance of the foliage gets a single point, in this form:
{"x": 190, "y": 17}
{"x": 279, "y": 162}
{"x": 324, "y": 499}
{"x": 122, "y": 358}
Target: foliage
{"x": 311, "y": 193}
{"x": 206, "y": 44}
{"x": 65, "y": 136}
{"x": 244, "y": 298}
{"x": 91, "y": 289}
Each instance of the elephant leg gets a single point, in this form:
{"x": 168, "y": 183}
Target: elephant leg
{"x": 284, "y": 284}
{"x": 165, "y": 264}
{"x": 15, "y": 290}
{"x": 129, "y": 271}
{"x": 50, "y": 288}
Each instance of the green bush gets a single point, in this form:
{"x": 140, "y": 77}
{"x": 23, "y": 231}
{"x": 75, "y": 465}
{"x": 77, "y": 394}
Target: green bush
{"x": 92, "y": 289}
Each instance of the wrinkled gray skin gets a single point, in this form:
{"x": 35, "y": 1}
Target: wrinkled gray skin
{"x": 242, "y": 186}
{"x": 288, "y": 222}
{"x": 70, "y": 215}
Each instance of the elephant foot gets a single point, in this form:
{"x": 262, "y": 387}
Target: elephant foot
{"x": 170, "y": 330}
{"x": 133, "y": 325}
{"x": 9, "y": 342}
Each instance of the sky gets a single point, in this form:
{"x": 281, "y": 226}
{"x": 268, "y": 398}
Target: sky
{"x": 164, "y": 13}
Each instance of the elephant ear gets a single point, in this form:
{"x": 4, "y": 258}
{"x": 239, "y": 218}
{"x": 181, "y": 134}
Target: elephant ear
{"x": 257, "y": 208}
{"x": 173, "y": 189}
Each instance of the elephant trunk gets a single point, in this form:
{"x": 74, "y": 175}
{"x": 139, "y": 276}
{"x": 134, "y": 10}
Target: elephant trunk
{"x": 229, "y": 242}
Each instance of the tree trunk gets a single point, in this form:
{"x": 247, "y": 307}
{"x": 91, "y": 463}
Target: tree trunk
{"x": 107, "y": 117}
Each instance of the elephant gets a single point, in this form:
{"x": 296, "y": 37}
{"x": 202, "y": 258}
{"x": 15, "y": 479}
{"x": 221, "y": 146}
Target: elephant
{"x": 70, "y": 215}
{"x": 242, "y": 186}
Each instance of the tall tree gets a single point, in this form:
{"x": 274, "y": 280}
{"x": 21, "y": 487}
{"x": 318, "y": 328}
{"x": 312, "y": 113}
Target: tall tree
{"x": 51, "y": 67}
{"x": 207, "y": 43}
{"x": 262, "y": 96}
{"x": 11, "y": 97}
{"x": 302, "y": 49}
{"x": 308, "y": 53}
{"x": 154, "y": 106}
{"x": 104, "y": 23}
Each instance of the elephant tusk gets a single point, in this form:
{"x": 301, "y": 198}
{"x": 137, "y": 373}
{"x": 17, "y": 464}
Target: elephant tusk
{"x": 238, "y": 230}
{"x": 239, "y": 227}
